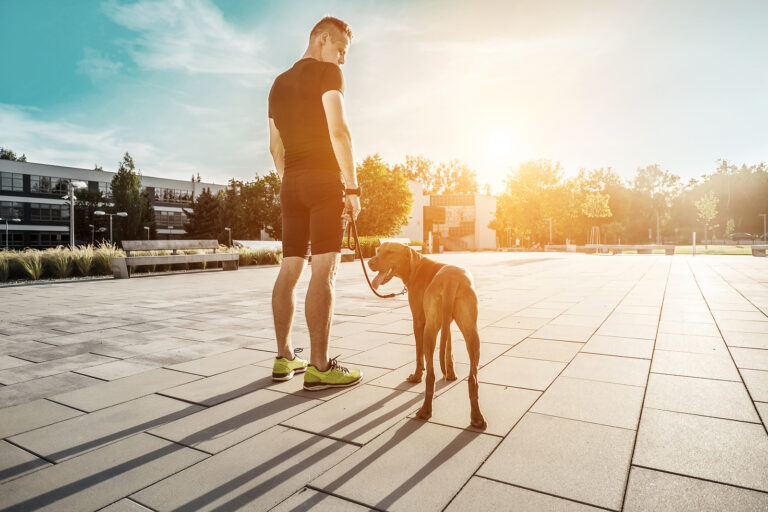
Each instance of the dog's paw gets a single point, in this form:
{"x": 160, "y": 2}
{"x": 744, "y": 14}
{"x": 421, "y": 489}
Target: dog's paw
{"x": 451, "y": 375}
{"x": 424, "y": 414}
{"x": 479, "y": 423}
{"x": 414, "y": 377}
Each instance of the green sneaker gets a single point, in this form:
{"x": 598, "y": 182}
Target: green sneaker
{"x": 285, "y": 369}
{"x": 334, "y": 377}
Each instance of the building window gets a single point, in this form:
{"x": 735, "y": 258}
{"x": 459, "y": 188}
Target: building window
{"x": 48, "y": 239}
{"x": 170, "y": 195}
{"x": 167, "y": 219}
{"x": 48, "y": 185}
{"x": 11, "y": 181}
{"x": 15, "y": 240}
{"x": 11, "y": 210}
{"x": 105, "y": 189}
{"x": 49, "y": 212}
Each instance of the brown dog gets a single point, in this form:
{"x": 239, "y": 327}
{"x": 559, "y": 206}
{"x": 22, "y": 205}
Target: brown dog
{"x": 438, "y": 294}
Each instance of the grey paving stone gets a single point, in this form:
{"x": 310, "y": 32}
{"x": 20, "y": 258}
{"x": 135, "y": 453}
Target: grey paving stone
{"x": 521, "y": 373}
{"x": 654, "y": 490}
{"x": 399, "y": 327}
{"x": 31, "y": 415}
{"x": 708, "y": 366}
{"x": 756, "y": 381}
{"x": 412, "y": 466}
{"x": 721, "y": 399}
{"x": 222, "y": 362}
{"x": 501, "y": 406}
{"x": 396, "y": 379}
{"x": 488, "y": 351}
{"x": 359, "y": 415}
{"x": 310, "y": 499}
{"x": 16, "y": 394}
{"x": 521, "y": 322}
{"x": 503, "y": 335}
{"x": 619, "y": 370}
{"x": 484, "y": 494}
{"x": 52, "y": 352}
{"x": 363, "y": 340}
{"x": 116, "y": 370}
{"x": 295, "y": 386}
{"x": 762, "y": 409}
{"x": 222, "y": 387}
{"x": 217, "y": 428}
{"x": 615, "y": 405}
{"x": 75, "y": 436}
{"x": 750, "y": 358}
{"x": 720, "y": 450}
{"x": 257, "y": 474}
{"x": 691, "y": 328}
{"x": 125, "y": 505}
{"x": 691, "y": 343}
{"x": 577, "y": 333}
{"x": 745, "y": 339}
{"x": 572, "y": 459}
{"x": 745, "y": 325}
{"x": 615, "y": 346}
{"x": 122, "y": 390}
{"x": 56, "y": 366}
{"x": 580, "y": 320}
{"x": 624, "y": 330}
{"x": 190, "y": 352}
{"x": 11, "y": 362}
{"x": 389, "y": 355}
{"x": 15, "y": 462}
{"x": 98, "y": 478}
{"x": 548, "y": 350}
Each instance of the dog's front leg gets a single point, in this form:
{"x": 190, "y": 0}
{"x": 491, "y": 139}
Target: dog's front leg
{"x": 418, "y": 333}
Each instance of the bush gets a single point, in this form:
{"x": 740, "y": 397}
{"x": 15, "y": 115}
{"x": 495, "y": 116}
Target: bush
{"x": 56, "y": 262}
{"x": 32, "y": 263}
{"x": 82, "y": 258}
{"x": 5, "y": 265}
{"x": 368, "y": 245}
{"x": 102, "y": 258}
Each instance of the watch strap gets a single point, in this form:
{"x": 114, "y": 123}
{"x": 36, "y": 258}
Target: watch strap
{"x": 352, "y": 191}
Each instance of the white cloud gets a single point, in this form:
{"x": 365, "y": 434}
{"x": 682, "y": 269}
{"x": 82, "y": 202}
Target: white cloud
{"x": 187, "y": 35}
{"x": 64, "y": 143}
{"x": 97, "y": 65}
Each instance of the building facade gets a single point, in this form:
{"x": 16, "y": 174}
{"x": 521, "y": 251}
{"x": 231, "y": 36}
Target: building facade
{"x": 34, "y": 194}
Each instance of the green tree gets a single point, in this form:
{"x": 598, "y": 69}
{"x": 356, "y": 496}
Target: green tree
{"x": 707, "y": 210}
{"x": 7, "y": 154}
{"x": 661, "y": 188}
{"x": 386, "y": 199}
{"x": 256, "y": 207}
{"x": 454, "y": 177}
{"x": 87, "y": 201}
{"x": 203, "y": 219}
{"x": 128, "y": 197}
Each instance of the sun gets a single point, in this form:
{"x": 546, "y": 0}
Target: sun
{"x": 498, "y": 145}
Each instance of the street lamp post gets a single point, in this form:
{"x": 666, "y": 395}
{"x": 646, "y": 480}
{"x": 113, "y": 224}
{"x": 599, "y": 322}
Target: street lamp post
{"x": 763, "y": 215}
{"x": 119, "y": 214}
{"x": 6, "y": 229}
{"x": 550, "y": 229}
{"x": 147, "y": 228}
{"x": 170, "y": 228}
{"x": 71, "y": 196}
{"x": 229, "y": 230}
{"x": 92, "y": 228}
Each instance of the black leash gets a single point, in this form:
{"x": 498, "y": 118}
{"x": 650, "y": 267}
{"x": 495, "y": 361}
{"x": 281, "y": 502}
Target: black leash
{"x": 352, "y": 230}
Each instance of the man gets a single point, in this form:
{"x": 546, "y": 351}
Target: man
{"x": 312, "y": 148}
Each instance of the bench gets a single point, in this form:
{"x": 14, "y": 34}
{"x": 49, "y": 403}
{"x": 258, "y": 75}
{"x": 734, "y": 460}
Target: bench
{"x": 669, "y": 250}
{"x": 121, "y": 266}
{"x": 759, "y": 250}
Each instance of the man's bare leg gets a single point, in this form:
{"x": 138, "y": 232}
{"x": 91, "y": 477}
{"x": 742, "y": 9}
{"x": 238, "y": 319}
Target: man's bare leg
{"x": 318, "y": 307}
{"x": 284, "y": 303}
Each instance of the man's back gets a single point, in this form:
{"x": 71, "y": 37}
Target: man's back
{"x": 295, "y": 104}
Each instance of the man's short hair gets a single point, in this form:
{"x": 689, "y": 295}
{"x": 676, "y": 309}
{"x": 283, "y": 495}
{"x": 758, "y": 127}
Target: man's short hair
{"x": 328, "y": 24}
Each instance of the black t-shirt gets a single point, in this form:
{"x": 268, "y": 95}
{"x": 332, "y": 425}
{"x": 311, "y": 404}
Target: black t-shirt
{"x": 296, "y": 105}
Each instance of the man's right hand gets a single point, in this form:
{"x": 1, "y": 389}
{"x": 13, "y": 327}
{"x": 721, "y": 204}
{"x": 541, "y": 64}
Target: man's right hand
{"x": 352, "y": 208}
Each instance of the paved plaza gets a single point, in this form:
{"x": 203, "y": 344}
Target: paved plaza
{"x": 608, "y": 382}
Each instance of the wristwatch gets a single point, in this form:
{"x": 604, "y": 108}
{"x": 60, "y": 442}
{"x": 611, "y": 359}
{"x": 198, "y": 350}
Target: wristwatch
{"x": 352, "y": 191}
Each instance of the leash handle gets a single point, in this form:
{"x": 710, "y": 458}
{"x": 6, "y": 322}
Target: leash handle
{"x": 352, "y": 230}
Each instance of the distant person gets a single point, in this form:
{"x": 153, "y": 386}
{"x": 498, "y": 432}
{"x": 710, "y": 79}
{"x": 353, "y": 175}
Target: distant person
{"x": 311, "y": 145}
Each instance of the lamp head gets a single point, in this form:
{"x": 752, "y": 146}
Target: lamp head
{"x": 122, "y": 214}
{"x": 99, "y": 212}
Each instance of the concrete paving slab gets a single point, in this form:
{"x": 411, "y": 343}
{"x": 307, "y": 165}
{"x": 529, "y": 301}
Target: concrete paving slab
{"x": 115, "y": 370}
{"x": 257, "y": 474}
{"x": 412, "y": 466}
{"x": 707, "y": 366}
{"x": 30, "y": 390}
{"x": 389, "y": 355}
{"x": 756, "y": 382}
{"x": 665, "y": 492}
{"x": 189, "y": 352}
{"x": 222, "y": 362}
{"x": 46, "y": 369}
{"x": 615, "y": 346}
{"x": 125, "y": 505}
{"x": 12, "y": 362}
{"x": 396, "y": 379}
{"x": 501, "y": 406}
{"x": 580, "y": 320}
{"x": 705, "y": 397}
{"x": 571, "y": 459}
{"x": 359, "y": 415}
{"x": 624, "y": 330}
{"x": 619, "y": 370}
{"x": 615, "y": 405}
{"x": 15, "y": 462}
{"x": 75, "y": 436}
{"x": 691, "y": 328}
{"x": 122, "y": 390}
{"x": 753, "y": 359}
{"x": 310, "y": 499}
{"x": 745, "y": 325}
{"x": 363, "y": 340}
{"x": 488, "y": 351}
{"x": 521, "y": 322}
{"x": 222, "y": 387}
{"x": 31, "y": 415}
{"x": 691, "y": 343}
{"x": 484, "y": 494}
{"x": 548, "y": 350}
{"x": 522, "y": 373}
{"x": 762, "y": 409}
{"x": 575, "y": 333}
{"x": 745, "y": 339}
{"x": 217, "y": 428}
{"x": 503, "y": 335}
{"x": 720, "y": 450}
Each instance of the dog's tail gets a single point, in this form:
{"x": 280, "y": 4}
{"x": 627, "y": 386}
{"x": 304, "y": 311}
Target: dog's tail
{"x": 445, "y": 329}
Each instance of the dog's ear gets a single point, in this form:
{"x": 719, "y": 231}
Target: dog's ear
{"x": 414, "y": 258}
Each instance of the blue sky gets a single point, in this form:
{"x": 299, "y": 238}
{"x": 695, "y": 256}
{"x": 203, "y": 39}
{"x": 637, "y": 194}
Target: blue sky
{"x": 182, "y": 84}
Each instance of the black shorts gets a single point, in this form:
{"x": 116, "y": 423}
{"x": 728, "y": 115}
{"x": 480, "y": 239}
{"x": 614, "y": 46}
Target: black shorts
{"x": 312, "y": 205}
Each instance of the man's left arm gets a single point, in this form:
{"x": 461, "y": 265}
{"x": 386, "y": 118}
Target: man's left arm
{"x": 276, "y": 148}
